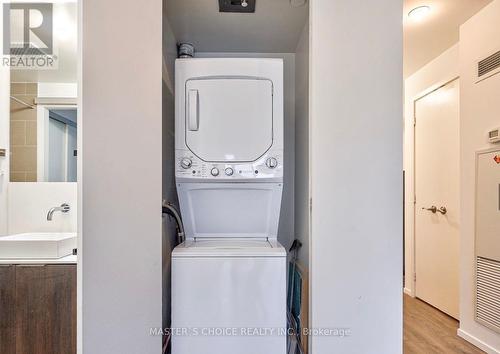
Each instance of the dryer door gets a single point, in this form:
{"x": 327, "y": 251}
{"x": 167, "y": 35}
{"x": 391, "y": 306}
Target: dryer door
{"x": 229, "y": 119}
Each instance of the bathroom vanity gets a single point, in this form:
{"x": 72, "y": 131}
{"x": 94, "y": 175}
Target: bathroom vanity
{"x": 38, "y": 306}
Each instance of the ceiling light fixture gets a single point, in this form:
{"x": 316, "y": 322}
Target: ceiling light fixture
{"x": 419, "y": 13}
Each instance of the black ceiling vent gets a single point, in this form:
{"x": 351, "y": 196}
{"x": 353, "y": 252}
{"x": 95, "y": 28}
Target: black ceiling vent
{"x": 241, "y": 6}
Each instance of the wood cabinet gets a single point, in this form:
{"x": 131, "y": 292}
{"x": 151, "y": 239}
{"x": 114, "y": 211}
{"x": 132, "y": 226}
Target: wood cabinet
{"x": 38, "y": 309}
{"x": 7, "y": 309}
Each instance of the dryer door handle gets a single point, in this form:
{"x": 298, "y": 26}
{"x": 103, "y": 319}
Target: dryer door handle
{"x": 193, "y": 110}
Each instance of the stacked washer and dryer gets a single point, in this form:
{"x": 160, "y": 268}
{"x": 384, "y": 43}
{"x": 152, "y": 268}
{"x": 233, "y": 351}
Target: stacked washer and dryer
{"x": 229, "y": 276}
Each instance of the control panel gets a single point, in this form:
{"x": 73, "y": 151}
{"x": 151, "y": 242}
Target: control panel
{"x": 190, "y": 166}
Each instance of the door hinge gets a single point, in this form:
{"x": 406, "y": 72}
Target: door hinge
{"x": 414, "y": 276}
{"x": 414, "y": 199}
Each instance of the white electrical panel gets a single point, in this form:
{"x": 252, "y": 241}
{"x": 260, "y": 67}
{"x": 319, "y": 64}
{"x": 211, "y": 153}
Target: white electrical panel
{"x": 487, "y": 245}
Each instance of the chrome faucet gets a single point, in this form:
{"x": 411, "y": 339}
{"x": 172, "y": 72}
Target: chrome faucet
{"x": 64, "y": 208}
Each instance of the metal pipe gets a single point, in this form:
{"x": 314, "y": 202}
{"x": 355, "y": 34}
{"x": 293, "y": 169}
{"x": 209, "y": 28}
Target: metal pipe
{"x": 22, "y": 102}
{"x": 64, "y": 208}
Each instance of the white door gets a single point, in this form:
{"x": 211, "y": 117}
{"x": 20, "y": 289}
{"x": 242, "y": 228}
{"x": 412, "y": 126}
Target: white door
{"x": 436, "y": 187}
{"x": 229, "y": 119}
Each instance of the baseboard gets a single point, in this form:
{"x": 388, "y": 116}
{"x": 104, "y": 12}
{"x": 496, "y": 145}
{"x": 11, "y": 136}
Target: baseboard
{"x": 478, "y": 343}
{"x": 407, "y": 292}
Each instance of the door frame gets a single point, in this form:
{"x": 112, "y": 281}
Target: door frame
{"x": 414, "y": 178}
{"x": 42, "y": 123}
{"x": 409, "y": 165}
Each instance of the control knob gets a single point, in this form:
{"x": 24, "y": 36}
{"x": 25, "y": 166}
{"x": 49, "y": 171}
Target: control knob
{"x": 229, "y": 171}
{"x": 214, "y": 171}
{"x": 272, "y": 162}
{"x": 186, "y": 163}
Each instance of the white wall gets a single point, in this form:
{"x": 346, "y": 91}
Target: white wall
{"x": 4, "y": 137}
{"x": 302, "y": 145}
{"x": 28, "y": 204}
{"x": 480, "y": 112}
{"x": 169, "y": 189}
{"x": 286, "y": 232}
{"x": 356, "y": 174}
{"x": 436, "y": 73}
{"x": 121, "y": 179}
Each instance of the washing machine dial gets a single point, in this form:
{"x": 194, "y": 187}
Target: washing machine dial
{"x": 214, "y": 171}
{"x": 229, "y": 171}
{"x": 272, "y": 162}
{"x": 186, "y": 163}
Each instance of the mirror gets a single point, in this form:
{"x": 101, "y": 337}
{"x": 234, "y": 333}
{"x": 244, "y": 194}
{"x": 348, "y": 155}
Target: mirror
{"x": 59, "y": 151}
{"x": 43, "y": 98}
{"x": 42, "y": 140}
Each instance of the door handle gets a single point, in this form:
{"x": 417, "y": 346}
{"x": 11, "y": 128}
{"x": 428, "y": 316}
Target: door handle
{"x": 193, "y": 110}
{"x": 435, "y": 210}
{"x": 442, "y": 210}
{"x": 432, "y": 209}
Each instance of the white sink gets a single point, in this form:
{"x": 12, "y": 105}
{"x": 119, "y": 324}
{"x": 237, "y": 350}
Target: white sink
{"x": 37, "y": 245}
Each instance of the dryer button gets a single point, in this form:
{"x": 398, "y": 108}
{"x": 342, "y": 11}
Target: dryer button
{"x": 229, "y": 171}
{"x": 272, "y": 162}
{"x": 214, "y": 171}
{"x": 186, "y": 163}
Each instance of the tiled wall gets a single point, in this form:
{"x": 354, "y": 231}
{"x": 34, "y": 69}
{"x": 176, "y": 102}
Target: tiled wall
{"x": 23, "y": 134}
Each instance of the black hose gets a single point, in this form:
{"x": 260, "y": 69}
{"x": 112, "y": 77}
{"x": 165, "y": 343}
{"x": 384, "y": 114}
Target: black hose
{"x": 169, "y": 209}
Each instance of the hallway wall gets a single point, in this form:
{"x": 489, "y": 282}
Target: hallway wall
{"x": 480, "y": 112}
{"x": 121, "y": 176}
{"x": 356, "y": 175}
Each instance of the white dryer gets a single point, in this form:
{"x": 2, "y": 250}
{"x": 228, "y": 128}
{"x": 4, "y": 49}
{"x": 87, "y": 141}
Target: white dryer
{"x": 229, "y": 276}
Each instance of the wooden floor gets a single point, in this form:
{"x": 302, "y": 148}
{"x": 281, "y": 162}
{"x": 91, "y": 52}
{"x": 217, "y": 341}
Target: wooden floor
{"x": 429, "y": 331}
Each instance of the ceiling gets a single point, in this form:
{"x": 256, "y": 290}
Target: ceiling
{"x": 65, "y": 48}
{"x": 425, "y": 40}
{"x": 275, "y": 26}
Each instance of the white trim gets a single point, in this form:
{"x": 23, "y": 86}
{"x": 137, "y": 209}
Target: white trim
{"x": 408, "y": 292}
{"x": 41, "y": 138}
{"x": 42, "y": 132}
{"x": 66, "y": 139}
{"x": 79, "y": 175}
{"x": 477, "y": 342}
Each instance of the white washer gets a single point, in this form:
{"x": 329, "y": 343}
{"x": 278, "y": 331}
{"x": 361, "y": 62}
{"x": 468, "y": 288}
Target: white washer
{"x": 234, "y": 287}
{"x": 229, "y": 276}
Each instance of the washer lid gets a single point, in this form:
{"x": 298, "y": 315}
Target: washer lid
{"x": 224, "y": 247}
{"x": 229, "y": 119}
{"x": 230, "y": 210}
